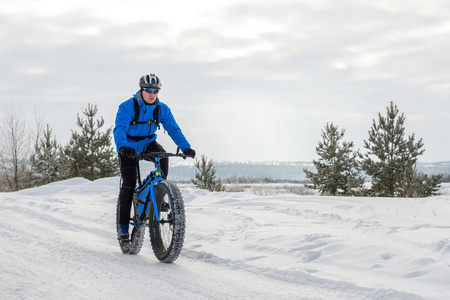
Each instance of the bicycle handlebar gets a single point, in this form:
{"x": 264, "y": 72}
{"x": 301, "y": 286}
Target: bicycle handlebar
{"x": 145, "y": 155}
{"x": 162, "y": 154}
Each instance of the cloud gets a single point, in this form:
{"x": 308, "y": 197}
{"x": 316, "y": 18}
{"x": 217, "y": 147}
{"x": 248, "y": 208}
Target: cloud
{"x": 299, "y": 63}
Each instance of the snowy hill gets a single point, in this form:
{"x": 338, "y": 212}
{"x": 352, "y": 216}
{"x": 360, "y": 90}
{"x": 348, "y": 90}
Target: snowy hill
{"x": 58, "y": 242}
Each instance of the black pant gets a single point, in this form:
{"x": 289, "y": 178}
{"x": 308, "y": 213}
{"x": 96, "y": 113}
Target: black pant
{"x": 129, "y": 178}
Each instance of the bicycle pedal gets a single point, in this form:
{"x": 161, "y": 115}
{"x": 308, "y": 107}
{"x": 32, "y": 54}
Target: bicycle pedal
{"x": 142, "y": 224}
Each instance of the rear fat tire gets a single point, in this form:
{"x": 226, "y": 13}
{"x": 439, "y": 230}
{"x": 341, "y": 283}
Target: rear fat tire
{"x": 137, "y": 239}
{"x": 137, "y": 233}
{"x": 167, "y": 239}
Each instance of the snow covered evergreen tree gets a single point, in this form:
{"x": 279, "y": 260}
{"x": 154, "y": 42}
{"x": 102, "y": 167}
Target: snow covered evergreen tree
{"x": 205, "y": 176}
{"x": 45, "y": 159}
{"x": 90, "y": 154}
{"x": 337, "y": 168}
{"x": 391, "y": 159}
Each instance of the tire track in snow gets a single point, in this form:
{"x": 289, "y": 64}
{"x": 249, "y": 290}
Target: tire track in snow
{"x": 339, "y": 289}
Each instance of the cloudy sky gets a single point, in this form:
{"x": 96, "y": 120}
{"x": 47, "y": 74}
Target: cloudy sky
{"x": 246, "y": 80}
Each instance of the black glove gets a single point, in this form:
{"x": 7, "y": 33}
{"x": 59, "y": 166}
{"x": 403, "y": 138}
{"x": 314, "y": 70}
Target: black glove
{"x": 127, "y": 151}
{"x": 189, "y": 152}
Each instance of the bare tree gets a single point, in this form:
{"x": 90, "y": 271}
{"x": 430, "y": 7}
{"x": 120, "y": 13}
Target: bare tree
{"x": 38, "y": 130}
{"x": 14, "y": 150}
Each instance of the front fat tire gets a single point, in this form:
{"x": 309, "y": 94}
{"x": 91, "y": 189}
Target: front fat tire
{"x": 167, "y": 239}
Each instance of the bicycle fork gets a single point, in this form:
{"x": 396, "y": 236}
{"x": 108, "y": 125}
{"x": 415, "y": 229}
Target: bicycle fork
{"x": 153, "y": 196}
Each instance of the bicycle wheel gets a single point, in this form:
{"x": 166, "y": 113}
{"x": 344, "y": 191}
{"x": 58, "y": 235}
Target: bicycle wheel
{"x": 167, "y": 235}
{"x": 137, "y": 228}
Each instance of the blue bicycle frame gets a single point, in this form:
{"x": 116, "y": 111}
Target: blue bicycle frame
{"x": 146, "y": 190}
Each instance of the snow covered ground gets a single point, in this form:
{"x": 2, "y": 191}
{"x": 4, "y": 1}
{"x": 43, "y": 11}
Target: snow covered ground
{"x": 58, "y": 242}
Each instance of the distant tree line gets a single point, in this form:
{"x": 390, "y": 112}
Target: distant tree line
{"x": 390, "y": 162}
{"x": 446, "y": 178}
{"x": 31, "y": 156}
{"x": 250, "y": 179}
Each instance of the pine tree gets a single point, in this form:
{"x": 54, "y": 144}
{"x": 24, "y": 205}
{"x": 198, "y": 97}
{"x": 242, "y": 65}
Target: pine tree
{"x": 416, "y": 185}
{"x": 337, "y": 167}
{"x": 393, "y": 168}
{"x": 90, "y": 154}
{"x": 45, "y": 159}
{"x": 205, "y": 176}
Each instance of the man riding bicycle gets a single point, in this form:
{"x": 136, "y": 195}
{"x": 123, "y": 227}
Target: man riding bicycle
{"x": 137, "y": 120}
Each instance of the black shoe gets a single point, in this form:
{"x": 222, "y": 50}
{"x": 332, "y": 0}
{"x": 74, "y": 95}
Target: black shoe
{"x": 122, "y": 233}
{"x": 123, "y": 236}
{"x": 124, "y": 242}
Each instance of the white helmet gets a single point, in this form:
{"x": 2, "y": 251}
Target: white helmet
{"x": 150, "y": 81}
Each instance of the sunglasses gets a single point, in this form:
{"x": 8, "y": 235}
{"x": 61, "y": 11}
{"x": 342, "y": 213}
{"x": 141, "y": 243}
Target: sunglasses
{"x": 151, "y": 91}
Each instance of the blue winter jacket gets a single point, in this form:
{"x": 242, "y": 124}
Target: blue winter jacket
{"x": 125, "y": 116}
